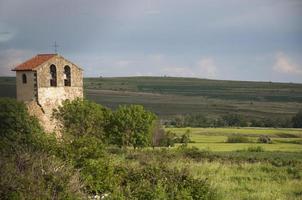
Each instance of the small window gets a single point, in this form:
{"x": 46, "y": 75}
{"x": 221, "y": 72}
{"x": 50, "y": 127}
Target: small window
{"x": 67, "y": 76}
{"x": 24, "y": 78}
{"x": 53, "y": 75}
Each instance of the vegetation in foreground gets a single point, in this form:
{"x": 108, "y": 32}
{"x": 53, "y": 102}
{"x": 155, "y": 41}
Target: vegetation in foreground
{"x": 83, "y": 165}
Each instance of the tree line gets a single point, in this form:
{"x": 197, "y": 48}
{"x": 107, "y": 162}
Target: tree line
{"x": 233, "y": 120}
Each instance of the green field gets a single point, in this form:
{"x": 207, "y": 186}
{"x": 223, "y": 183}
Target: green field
{"x": 167, "y": 96}
{"x": 246, "y": 175}
{"x": 214, "y": 139}
{"x": 236, "y": 172}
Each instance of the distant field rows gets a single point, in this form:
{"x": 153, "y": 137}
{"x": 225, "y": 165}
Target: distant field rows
{"x": 168, "y": 96}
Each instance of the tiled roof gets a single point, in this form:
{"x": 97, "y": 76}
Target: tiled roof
{"x": 34, "y": 62}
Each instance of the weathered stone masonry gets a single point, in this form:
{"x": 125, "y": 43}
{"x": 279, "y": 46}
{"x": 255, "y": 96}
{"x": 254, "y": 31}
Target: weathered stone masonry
{"x": 44, "y": 81}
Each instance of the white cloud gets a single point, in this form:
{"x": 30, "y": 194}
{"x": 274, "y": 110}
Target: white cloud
{"x": 207, "y": 68}
{"x": 204, "y": 68}
{"x": 11, "y": 58}
{"x": 156, "y": 64}
{"x": 123, "y": 63}
{"x": 177, "y": 71}
{"x": 284, "y": 65}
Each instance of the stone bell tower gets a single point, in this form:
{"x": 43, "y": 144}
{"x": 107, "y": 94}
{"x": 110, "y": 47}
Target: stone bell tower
{"x": 46, "y": 80}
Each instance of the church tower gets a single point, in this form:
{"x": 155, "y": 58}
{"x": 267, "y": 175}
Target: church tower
{"x": 46, "y": 80}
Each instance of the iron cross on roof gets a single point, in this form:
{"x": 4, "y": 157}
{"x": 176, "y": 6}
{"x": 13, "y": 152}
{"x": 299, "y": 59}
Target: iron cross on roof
{"x": 55, "y": 46}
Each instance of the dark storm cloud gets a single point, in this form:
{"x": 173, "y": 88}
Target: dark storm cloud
{"x": 240, "y": 39}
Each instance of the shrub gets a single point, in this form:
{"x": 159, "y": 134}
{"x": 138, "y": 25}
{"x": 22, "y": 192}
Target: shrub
{"x": 255, "y": 149}
{"x": 264, "y": 139}
{"x": 169, "y": 139}
{"x": 234, "y": 120}
{"x": 237, "y": 139}
{"x": 297, "y": 120}
{"x": 185, "y": 138}
{"x": 83, "y": 148}
{"x": 18, "y": 130}
{"x": 99, "y": 176}
{"x": 36, "y": 175}
{"x": 82, "y": 117}
{"x": 131, "y": 126}
{"x": 194, "y": 153}
{"x": 154, "y": 182}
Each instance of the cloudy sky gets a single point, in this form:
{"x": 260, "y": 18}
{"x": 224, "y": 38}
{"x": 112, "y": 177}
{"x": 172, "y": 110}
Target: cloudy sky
{"x": 217, "y": 39}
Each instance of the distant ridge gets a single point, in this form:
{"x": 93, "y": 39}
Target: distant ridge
{"x": 168, "y": 96}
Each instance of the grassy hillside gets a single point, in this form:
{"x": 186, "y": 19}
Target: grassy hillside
{"x": 171, "y": 96}
{"x": 227, "y": 90}
{"x": 168, "y": 96}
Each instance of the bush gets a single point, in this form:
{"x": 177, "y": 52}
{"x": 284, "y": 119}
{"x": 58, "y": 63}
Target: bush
{"x": 185, "y": 138}
{"x": 81, "y": 149}
{"x": 29, "y": 168}
{"x": 194, "y": 153}
{"x": 168, "y": 140}
{"x": 237, "y": 139}
{"x": 297, "y": 120}
{"x": 154, "y": 182}
{"x": 255, "y": 149}
{"x": 82, "y": 117}
{"x": 264, "y": 139}
{"x": 234, "y": 120}
{"x": 18, "y": 130}
{"x": 131, "y": 126}
{"x": 36, "y": 175}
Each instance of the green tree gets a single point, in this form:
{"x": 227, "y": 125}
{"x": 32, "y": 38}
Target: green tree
{"x": 131, "y": 126}
{"x": 234, "y": 120}
{"x": 169, "y": 139}
{"x": 82, "y": 117}
{"x": 18, "y": 130}
{"x": 29, "y": 168}
{"x": 185, "y": 138}
{"x": 297, "y": 120}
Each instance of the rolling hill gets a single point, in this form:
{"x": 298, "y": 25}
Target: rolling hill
{"x": 167, "y": 96}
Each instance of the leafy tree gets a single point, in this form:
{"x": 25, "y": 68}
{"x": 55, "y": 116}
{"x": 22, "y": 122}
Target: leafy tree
{"x": 185, "y": 138}
{"x": 169, "y": 139}
{"x": 29, "y": 168}
{"x": 178, "y": 121}
{"x": 297, "y": 120}
{"x": 82, "y": 117}
{"x": 234, "y": 120}
{"x": 197, "y": 120}
{"x": 131, "y": 125}
{"x": 257, "y": 123}
{"x": 18, "y": 130}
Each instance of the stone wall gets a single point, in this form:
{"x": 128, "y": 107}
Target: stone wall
{"x": 25, "y": 91}
{"x": 52, "y": 97}
{"x": 49, "y": 124}
{"x": 60, "y": 62}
